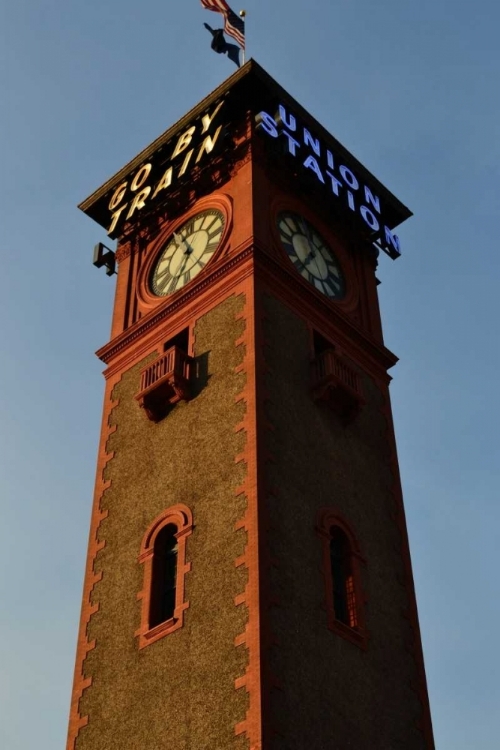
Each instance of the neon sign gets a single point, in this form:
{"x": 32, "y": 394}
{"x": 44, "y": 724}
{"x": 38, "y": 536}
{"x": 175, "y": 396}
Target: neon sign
{"x": 153, "y": 178}
{"x": 338, "y": 178}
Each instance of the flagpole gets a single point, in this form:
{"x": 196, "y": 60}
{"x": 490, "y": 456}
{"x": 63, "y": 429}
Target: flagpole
{"x": 243, "y": 14}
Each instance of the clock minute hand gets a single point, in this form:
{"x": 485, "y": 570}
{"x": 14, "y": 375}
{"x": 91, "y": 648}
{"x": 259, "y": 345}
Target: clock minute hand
{"x": 312, "y": 250}
{"x": 183, "y": 265}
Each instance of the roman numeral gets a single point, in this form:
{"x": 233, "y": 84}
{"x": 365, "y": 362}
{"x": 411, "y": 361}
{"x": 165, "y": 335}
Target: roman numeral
{"x": 187, "y": 277}
{"x": 288, "y": 247}
{"x": 335, "y": 282}
{"x": 328, "y": 289}
{"x": 214, "y": 235}
{"x": 161, "y": 274}
{"x": 172, "y": 285}
{"x": 161, "y": 285}
{"x": 285, "y": 229}
{"x": 333, "y": 270}
{"x": 188, "y": 230}
{"x": 211, "y": 218}
{"x": 212, "y": 246}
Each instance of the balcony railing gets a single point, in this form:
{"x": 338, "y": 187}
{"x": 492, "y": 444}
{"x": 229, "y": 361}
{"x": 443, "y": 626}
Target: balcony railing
{"x": 165, "y": 382}
{"x": 337, "y": 383}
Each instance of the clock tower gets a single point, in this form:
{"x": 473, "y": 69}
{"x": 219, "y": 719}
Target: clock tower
{"x": 248, "y": 581}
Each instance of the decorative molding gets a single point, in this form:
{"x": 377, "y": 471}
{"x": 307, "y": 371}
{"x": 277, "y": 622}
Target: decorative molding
{"x": 241, "y": 162}
{"x": 325, "y": 316}
{"x": 286, "y": 286}
{"x": 167, "y": 309}
{"x": 89, "y": 607}
{"x": 251, "y": 638}
{"x": 123, "y": 251}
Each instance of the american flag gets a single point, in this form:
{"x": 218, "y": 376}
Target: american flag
{"x": 233, "y": 25}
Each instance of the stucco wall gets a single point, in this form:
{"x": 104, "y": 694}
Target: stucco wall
{"x": 332, "y": 694}
{"x": 178, "y": 692}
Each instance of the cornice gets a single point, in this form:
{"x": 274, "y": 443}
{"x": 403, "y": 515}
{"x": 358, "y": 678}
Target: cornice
{"x": 125, "y": 341}
{"x": 323, "y": 313}
{"x": 282, "y": 282}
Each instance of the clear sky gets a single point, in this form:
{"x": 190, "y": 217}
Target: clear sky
{"x": 411, "y": 88}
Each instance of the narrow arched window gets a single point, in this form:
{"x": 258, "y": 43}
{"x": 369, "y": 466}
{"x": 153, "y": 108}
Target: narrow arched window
{"x": 344, "y": 595}
{"x": 163, "y": 585}
{"x": 163, "y": 556}
{"x": 342, "y": 560}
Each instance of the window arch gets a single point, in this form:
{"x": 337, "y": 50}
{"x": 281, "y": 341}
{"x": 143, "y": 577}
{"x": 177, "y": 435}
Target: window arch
{"x": 163, "y": 555}
{"x": 342, "y": 576}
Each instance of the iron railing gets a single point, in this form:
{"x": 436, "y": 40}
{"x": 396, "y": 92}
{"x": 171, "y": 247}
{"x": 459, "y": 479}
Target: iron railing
{"x": 174, "y": 363}
{"x": 329, "y": 366}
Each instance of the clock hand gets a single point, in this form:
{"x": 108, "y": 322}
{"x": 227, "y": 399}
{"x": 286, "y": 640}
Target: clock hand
{"x": 183, "y": 265}
{"x": 176, "y": 276}
{"x": 312, "y": 250}
{"x": 180, "y": 240}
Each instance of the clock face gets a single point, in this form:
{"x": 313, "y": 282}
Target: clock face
{"x": 187, "y": 252}
{"x": 310, "y": 254}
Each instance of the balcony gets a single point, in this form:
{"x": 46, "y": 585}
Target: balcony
{"x": 164, "y": 383}
{"x": 338, "y": 384}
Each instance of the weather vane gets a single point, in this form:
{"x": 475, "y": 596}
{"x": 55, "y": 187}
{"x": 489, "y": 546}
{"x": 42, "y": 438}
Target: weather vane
{"x": 234, "y": 26}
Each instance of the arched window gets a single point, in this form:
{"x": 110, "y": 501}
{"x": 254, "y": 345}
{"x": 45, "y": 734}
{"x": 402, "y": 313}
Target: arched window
{"x": 163, "y": 555}
{"x": 342, "y": 576}
{"x": 164, "y": 582}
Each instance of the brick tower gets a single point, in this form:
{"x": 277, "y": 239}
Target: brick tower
{"x": 248, "y": 581}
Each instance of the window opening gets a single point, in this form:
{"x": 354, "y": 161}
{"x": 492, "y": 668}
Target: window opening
{"x": 321, "y": 344}
{"x": 344, "y": 600}
{"x": 164, "y": 576}
{"x": 181, "y": 340}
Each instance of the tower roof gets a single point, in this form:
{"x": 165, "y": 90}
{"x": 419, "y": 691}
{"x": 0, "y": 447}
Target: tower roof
{"x": 249, "y": 89}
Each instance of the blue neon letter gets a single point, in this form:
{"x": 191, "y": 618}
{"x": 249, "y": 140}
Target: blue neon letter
{"x": 311, "y": 163}
{"x": 336, "y": 184}
{"x": 266, "y": 122}
{"x": 282, "y": 119}
{"x": 373, "y": 199}
{"x": 349, "y": 177}
{"x": 370, "y": 218}
{"x": 392, "y": 240}
{"x": 312, "y": 142}
{"x": 292, "y": 143}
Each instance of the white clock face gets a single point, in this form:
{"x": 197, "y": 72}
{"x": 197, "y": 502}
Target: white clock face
{"x": 310, "y": 254}
{"x": 187, "y": 252}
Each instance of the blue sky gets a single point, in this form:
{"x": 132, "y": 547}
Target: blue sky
{"x": 412, "y": 90}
